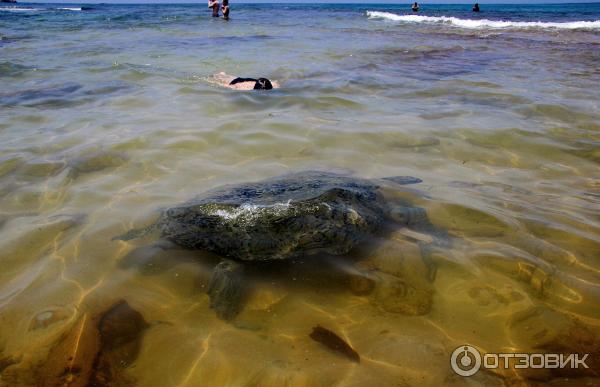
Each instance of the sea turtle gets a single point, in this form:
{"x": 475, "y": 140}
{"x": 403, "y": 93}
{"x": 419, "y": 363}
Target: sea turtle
{"x": 282, "y": 218}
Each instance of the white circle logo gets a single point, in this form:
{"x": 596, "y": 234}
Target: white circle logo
{"x": 465, "y": 360}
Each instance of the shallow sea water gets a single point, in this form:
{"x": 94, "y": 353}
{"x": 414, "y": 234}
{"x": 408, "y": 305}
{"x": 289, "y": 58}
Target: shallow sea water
{"x": 108, "y": 116}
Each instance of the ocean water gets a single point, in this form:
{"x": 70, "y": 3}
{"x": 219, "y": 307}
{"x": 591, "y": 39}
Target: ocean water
{"x": 108, "y": 114}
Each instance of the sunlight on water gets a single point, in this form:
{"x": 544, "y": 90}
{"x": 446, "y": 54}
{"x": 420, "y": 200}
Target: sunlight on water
{"x": 108, "y": 117}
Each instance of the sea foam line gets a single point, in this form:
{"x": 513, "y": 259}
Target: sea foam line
{"x": 483, "y": 23}
{"x": 19, "y": 9}
{"x": 27, "y": 9}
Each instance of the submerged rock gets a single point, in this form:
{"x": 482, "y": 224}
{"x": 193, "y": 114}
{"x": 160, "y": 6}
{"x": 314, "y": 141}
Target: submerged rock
{"x": 95, "y": 161}
{"x": 543, "y": 330}
{"x": 48, "y": 317}
{"x": 42, "y": 168}
{"x": 6, "y": 361}
{"x": 397, "y": 278}
{"x": 415, "y": 142}
{"x": 97, "y": 350}
{"x": 334, "y": 342}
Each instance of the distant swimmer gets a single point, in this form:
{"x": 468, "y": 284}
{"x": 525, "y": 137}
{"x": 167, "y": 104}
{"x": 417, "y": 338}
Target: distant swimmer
{"x": 476, "y": 7}
{"x": 415, "y": 7}
{"x": 238, "y": 83}
{"x": 225, "y": 9}
{"x": 255, "y": 84}
{"x": 214, "y": 5}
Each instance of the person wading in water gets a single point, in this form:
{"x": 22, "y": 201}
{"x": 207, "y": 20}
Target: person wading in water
{"x": 214, "y": 4}
{"x": 225, "y": 9}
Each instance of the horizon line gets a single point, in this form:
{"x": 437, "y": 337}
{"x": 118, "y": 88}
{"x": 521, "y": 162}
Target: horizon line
{"x": 303, "y": 2}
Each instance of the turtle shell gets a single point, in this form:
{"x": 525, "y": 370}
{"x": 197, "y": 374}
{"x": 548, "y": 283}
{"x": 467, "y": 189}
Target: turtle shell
{"x": 281, "y": 218}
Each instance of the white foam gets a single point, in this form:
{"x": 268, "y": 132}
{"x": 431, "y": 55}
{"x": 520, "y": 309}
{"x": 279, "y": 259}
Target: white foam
{"x": 18, "y": 9}
{"x": 21, "y": 9}
{"x": 484, "y": 23}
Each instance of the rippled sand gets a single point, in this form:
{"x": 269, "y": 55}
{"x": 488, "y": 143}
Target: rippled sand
{"x": 104, "y": 128}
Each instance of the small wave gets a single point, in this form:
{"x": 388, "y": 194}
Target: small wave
{"x": 484, "y": 23}
{"x": 18, "y": 9}
{"x": 30, "y": 9}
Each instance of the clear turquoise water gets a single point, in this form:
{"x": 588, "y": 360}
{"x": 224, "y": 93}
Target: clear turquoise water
{"x": 108, "y": 115}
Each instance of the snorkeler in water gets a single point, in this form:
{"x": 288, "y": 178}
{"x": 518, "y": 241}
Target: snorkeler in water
{"x": 238, "y": 83}
{"x": 259, "y": 84}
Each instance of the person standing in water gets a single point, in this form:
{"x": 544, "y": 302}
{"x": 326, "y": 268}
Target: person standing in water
{"x": 476, "y": 7}
{"x": 415, "y": 7}
{"x": 214, "y": 4}
{"x": 225, "y": 9}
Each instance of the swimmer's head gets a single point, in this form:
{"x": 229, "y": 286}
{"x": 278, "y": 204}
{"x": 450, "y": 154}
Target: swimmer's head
{"x": 263, "y": 84}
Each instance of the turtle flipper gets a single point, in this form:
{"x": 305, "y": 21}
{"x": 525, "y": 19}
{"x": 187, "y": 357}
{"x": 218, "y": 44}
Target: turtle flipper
{"x": 409, "y": 215}
{"x": 426, "y": 234}
{"x": 403, "y": 180}
{"x": 134, "y": 233}
{"x": 426, "y": 257}
{"x": 225, "y": 289}
{"x": 416, "y": 219}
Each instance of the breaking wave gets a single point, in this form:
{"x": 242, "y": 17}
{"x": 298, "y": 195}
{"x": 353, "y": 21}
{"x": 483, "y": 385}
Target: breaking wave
{"x": 18, "y": 9}
{"x": 484, "y": 23}
{"x": 31, "y": 9}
